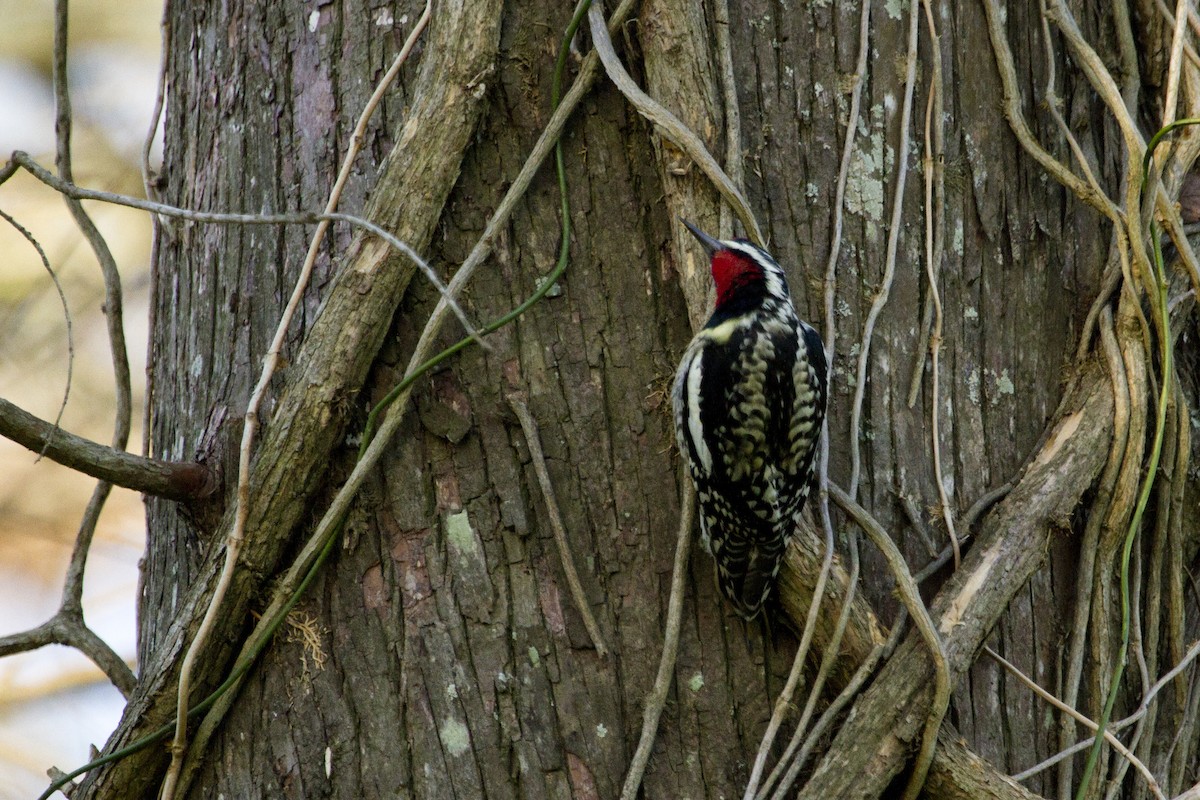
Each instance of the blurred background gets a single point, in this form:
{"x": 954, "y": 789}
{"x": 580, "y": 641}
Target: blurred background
{"x": 53, "y": 703}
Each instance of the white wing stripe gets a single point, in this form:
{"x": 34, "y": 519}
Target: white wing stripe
{"x": 695, "y": 429}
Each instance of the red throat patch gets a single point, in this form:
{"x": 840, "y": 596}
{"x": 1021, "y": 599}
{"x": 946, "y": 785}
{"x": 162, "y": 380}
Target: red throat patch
{"x": 732, "y": 270}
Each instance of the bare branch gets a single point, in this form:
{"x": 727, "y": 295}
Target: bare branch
{"x": 1147, "y": 699}
{"x": 67, "y": 628}
{"x": 1089, "y": 545}
{"x": 62, "y": 298}
{"x": 791, "y": 761}
{"x": 911, "y": 597}
{"x": 1016, "y": 120}
{"x": 784, "y": 701}
{"x": 934, "y": 223}
{"x": 69, "y": 189}
{"x": 174, "y": 480}
{"x": 1170, "y": 105}
{"x": 734, "y": 165}
{"x": 839, "y": 195}
{"x": 113, "y": 313}
{"x": 865, "y": 670}
{"x": 935, "y": 163}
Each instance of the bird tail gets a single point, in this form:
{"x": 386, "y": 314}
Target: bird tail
{"x": 751, "y": 582}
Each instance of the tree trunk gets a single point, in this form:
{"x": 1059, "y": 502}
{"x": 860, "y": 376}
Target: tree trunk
{"x": 439, "y": 654}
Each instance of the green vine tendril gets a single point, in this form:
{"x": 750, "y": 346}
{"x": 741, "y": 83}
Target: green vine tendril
{"x": 1163, "y": 322}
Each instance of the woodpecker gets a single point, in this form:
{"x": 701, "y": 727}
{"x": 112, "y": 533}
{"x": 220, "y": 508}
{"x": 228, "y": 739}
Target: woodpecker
{"x": 749, "y": 401}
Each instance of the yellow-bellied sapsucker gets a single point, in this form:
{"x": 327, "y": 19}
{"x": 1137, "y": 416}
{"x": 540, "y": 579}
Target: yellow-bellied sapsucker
{"x": 749, "y": 402}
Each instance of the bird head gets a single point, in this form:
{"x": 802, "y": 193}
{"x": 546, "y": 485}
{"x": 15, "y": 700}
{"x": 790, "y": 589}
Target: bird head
{"x": 741, "y": 269}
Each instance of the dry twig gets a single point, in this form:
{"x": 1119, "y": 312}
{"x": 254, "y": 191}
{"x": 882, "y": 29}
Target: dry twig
{"x": 1061, "y": 706}
{"x": 933, "y": 257}
{"x": 865, "y": 670}
{"x": 174, "y": 480}
{"x": 734, "y": 166}
{"x": 533, "y": 440}
{"x": 669, "y": 124}
{"x": 67, "y": 626}
{"x": 784, "y": 701}
{"x": 656, "y": 700}
{"x": 911, "y": 597}
{"x": 889, "y": 270}
{"x": 1138, "y": 713}
{"x": 829, "y": 656}
{"x": 1089, "y": 543}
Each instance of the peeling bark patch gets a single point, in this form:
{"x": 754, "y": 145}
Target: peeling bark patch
{"x": 966, "y": 595}
{"x": 1062, "y": 434}
{"x": 583, "y": 784}
{"x": 550, "y": 600}
{"x": 892, "y": 746}
{"x": 375, "y": 596}
{"x": 455, "y": 736}
{"x": 374, "y": 255}
{"x": 408, "y": 551}
{"x": 460, "y": 536}
{"x": 512, "y": 372}
{"x": 472, "y": 585}
{"x": 864, "y": 184}
{"x": 445, "y": 486}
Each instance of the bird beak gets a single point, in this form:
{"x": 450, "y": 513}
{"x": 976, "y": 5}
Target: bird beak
{"x": 710, "y": 244}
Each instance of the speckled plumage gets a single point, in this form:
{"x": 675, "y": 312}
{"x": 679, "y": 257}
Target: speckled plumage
{"x": 749, "y": 402}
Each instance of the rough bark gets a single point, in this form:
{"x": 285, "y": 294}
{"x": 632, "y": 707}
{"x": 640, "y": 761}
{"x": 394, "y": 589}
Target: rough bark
{"x": 438, "y": 654}
{"x": 873, "y": 744}
{"x": 315, "y": 401}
